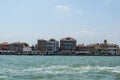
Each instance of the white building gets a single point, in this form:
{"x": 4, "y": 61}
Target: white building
{"x": 106, "y": 48}
{"x": 113, "y": 49}
{"x": 27, "y": 49}
{"x": 52, "y": 46}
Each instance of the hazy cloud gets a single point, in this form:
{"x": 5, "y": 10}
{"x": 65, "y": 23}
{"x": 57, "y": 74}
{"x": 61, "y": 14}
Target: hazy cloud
{"x": 85, "y": 33}
{"x": 63, "y": 8}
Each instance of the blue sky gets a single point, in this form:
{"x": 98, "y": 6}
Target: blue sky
{"x": 88, "y": 21}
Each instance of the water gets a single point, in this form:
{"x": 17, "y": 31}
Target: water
{"x": 59, "y": 68}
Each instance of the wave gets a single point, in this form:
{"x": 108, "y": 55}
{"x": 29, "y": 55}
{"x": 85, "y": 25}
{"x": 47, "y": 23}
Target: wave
{"x": 65, "y": 69}
{"x": 3, "y": 77}
{"x": 72, "y": 70}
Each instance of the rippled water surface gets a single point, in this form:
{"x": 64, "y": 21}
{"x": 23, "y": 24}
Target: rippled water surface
{"x": 59, "y": 67}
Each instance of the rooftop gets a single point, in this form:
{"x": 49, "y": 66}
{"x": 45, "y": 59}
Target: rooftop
{"x": 52, "y": 39}
{"x": 16, "y": 43}
{"x": 68, "y": 39}
{"x": 41, "y": 39}
{"x": 4, "y": 43}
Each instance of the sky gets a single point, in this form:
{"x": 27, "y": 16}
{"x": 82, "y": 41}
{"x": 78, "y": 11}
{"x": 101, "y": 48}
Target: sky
{"x": 88, "y": 21}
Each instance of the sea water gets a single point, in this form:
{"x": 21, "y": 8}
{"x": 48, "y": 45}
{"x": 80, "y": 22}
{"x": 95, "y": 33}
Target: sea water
{"x": 59, "y": 67}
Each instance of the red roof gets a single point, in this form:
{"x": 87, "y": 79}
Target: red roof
{"x": 4, "y": 43}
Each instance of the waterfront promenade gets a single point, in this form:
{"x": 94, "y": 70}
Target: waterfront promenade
{"x": 55, "y": 54}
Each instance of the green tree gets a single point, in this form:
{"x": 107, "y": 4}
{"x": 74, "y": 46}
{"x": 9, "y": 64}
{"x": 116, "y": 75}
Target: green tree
{"x": 25, "y": 44}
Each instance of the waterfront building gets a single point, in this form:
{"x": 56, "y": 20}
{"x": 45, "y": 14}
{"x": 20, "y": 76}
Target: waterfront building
{"x": 105, "y": 48}
{"x": 84, "y": 49}
{"x": 97, "y": 48}
{"x": 52, "y": 46}
{"x": 67, "y": 45}
{"x": 119, "y": 52}
{"x": 4, "y": 46}
{"x": 109, "y": 48}
{"x": 17, "y": 47}
{"x": 27, "y": 50}
{"x": 42, "y": 45}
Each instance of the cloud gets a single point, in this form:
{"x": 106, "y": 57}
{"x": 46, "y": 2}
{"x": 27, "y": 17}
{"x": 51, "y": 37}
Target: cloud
{"x": 63, "y": 8}
{"x": 85, "y": 33}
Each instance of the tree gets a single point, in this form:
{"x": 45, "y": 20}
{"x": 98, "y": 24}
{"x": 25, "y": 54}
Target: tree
{"x": 25, "y": 44}
{"x": 34, "y": 47}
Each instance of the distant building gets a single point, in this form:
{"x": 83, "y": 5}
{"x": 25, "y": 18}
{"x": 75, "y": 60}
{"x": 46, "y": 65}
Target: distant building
{"x": 4, "y": 46}
{"x": 96, "y": 48}
{"x": 52, "y": 46}
{"x": 18, "y": 47}
{"x": 119, "y": 52}
{"x": 67, "y": 45}
{"x": 109, "y": 48}
{"x": 48, "y": 47}
{"x": 27, "y": 50}
{"x": 84, "y": 49}
{"x": 42, "y": 45}
{"x": 105, "y": 48}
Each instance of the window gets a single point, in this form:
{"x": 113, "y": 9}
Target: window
{"x": 67, "y": 45}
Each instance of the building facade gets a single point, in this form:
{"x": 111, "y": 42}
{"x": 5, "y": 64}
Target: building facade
{"x": 109, "y": 48}
{"x": 52, "y": 46}
{"x": 18, "y": 47}
{"x": 27, "y": 50}
{"x": 67, "y": 45}
{"x": 4, "y": 46}
{"x": 42, "y": 44}
{"x": 105, "y": 48}
{"x": 84, "y": 50}
{"x": 48, "y": 47}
